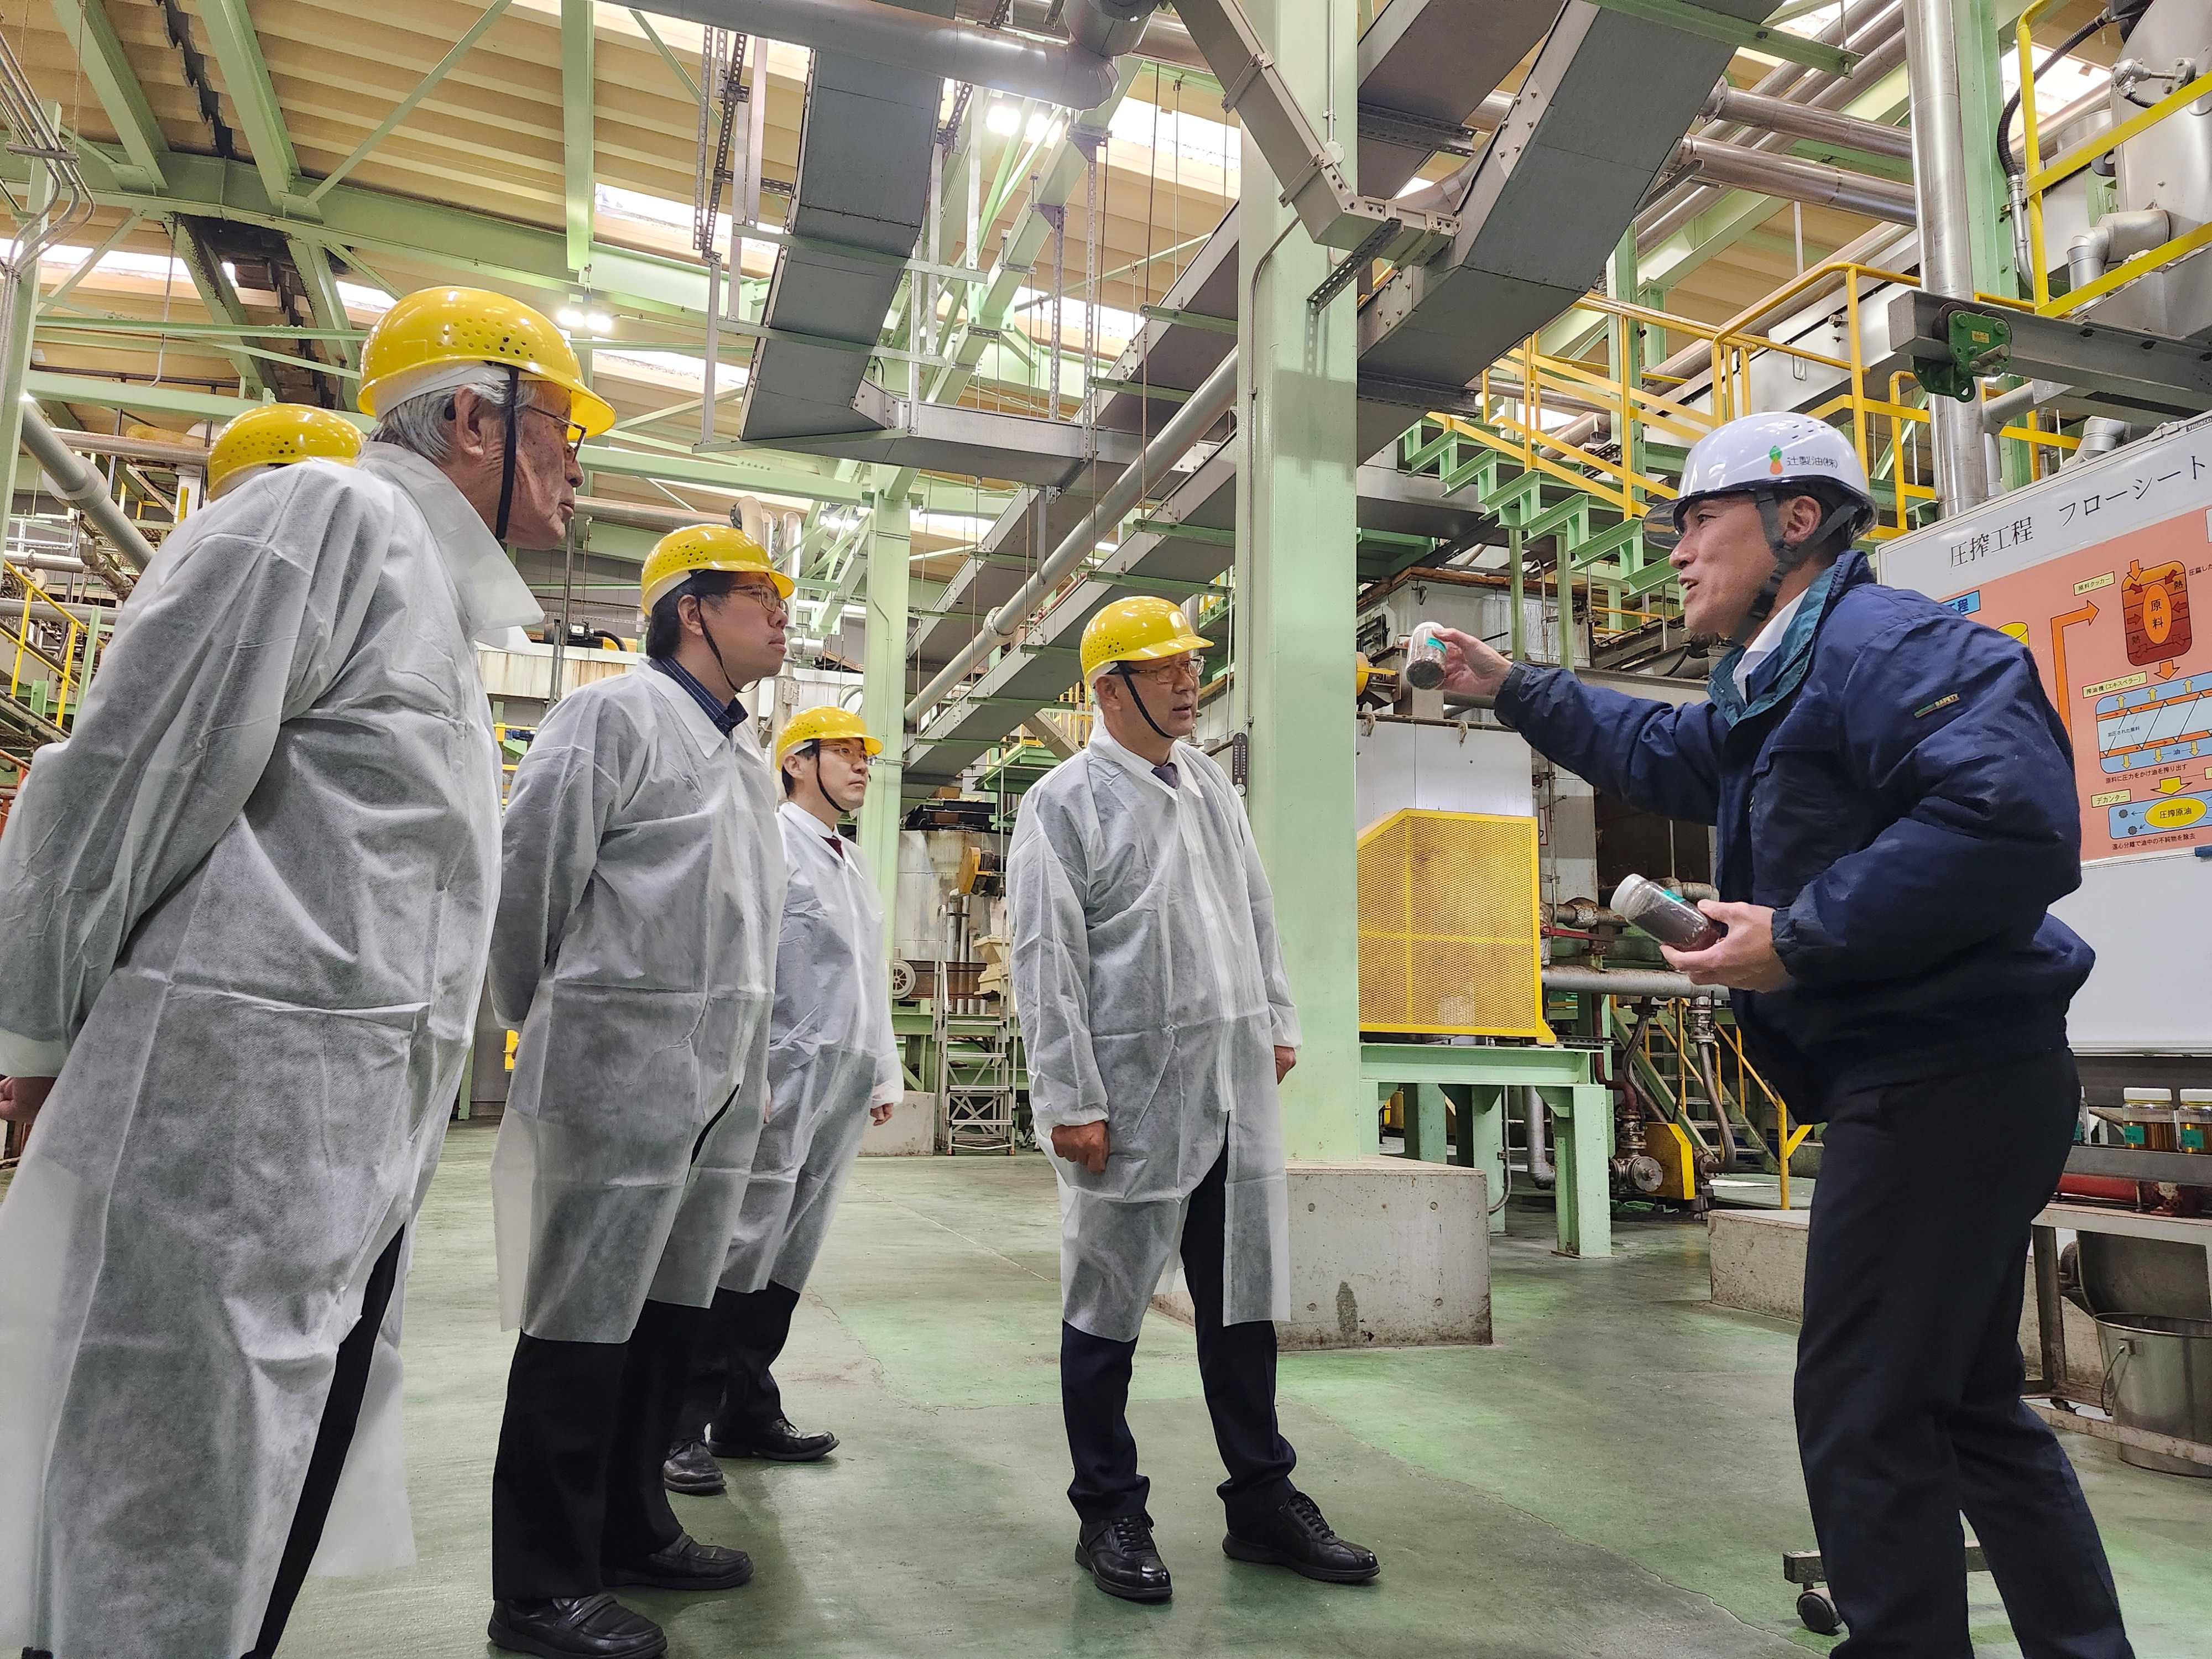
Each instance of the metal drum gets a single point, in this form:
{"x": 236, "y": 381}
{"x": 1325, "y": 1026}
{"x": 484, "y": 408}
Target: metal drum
{"x": 2158, "y": 1375}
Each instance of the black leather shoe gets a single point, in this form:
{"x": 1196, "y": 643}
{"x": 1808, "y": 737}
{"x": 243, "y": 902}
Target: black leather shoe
{"x": 776, "y": 1440}
{"x": 1293, "y": 1534}
{"x": 686, "y": 1564}
{"x": 688, "y": 1469}
{"x": 575, "y": 1627}
{"x": 1120, "y": 1556}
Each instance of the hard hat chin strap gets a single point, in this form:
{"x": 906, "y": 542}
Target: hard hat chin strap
{"x": 1787, "y": 554}
{"x": 729, "y": 680}
{"x": 1137, "y": 696}
{"x": 507, "y": 454}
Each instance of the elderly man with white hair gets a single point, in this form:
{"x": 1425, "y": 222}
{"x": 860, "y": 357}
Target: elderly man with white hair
{"x": 247, "y": 905}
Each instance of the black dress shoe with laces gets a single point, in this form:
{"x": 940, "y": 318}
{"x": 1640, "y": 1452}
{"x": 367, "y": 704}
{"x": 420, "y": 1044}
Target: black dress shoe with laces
{"x": 775, "y": 1440}
{"x": 1122, "y": 1561}
{"x": 1293, "y": 1534}
{"x": 575, "y": 1627}
{"x": 690, "y": 1470}
{"x": 686, "y": 1564}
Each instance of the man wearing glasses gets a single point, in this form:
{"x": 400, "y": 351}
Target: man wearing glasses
{"x": 634, "y": 950}
{"x": 833, "y": 1068}
{"x": 1158, "y": 1022}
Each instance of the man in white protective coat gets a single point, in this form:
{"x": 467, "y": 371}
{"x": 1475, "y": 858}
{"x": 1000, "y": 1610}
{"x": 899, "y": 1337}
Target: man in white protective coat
{"x": 833, "y": 1068}
{"x": 247, "y": 904}
{"x": 635, "y": 952}
{"x": 1158, "y": 1022}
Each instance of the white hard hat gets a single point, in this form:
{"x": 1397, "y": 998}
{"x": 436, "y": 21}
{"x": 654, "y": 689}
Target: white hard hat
{"x": 1772, "y": 455}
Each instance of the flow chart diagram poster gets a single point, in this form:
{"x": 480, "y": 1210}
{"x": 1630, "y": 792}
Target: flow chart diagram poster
{"x": 2104, "y": 572}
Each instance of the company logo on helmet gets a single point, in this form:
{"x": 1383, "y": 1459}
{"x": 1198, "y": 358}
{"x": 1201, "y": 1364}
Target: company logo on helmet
{"x": 1774, "y": 460}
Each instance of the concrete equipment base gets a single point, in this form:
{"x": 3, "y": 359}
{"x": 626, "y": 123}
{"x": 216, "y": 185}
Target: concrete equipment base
{"x": 1384, "y": 1253}
{"x": 1758, "y": 1266}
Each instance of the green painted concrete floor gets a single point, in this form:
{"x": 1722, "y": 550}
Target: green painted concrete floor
{"x": 1616, "y": 1477}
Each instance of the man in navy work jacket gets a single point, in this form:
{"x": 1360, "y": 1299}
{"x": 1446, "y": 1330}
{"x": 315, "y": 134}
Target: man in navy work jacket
{"x": 1896, "y": 809}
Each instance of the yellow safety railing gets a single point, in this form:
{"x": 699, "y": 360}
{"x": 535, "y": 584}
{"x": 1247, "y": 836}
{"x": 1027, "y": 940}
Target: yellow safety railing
{"x": 1747, "y": 1075}
{"x": 1883, "y": 417}
{"x": 65, "y": 668}
{"x": 2042, "y": 177}
{"x": 1747, "y": 1079}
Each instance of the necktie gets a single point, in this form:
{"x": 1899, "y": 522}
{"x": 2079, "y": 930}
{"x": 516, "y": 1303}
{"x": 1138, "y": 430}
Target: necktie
{"x": 1166, "y": 773}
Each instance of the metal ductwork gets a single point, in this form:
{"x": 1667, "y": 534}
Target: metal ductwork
{"x": 1595, "y": 123}
{"x": 83, "y": 489}
{"x": 1189, "y": 423}
{"x": 940, "y": 47}
{"x": 1800, "y": 181}
{"x": 1422, "y": 63}
{"x": 865, "y": 154}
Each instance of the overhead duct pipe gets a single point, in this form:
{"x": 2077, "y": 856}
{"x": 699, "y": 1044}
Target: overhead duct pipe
{"x": 1071, "y": 73}
{"x": 1740, "y": 167}
{"x": 1188, "y": 424}
{"x": 1752, "y": 109}
{"x": 1799, "y": 181}
{"x": 1882, "y": 43}
{"x": 83, "y": 489}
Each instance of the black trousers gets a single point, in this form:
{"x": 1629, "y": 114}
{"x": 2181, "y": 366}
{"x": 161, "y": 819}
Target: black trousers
{"x": 576, "y": 1488}
{"x": 1909, "y": 1371}
{"x": 333, "y": 1439}
{"x": 733, "y": 1390}
{"x": 1236, "y": 1365}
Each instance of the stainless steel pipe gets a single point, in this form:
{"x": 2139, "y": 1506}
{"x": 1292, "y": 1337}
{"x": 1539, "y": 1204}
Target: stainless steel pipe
{"x": 1797, "y": 180}
{"x": 1753, "y": 109}
{"x": 1947, "y": 258}
{"x": 1630, "y": 982}
{"x": 83, "y": 489}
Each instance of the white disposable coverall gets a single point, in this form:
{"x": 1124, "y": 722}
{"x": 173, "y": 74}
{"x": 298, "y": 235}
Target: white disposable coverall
{"x": 1152, "y": 994}
{"x": 830, "y": 1057}
{"x": 246, "y": 906}
{"x": 635, "y": 952}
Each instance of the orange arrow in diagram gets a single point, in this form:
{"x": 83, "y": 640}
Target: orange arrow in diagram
{"x": 2165, "y": 670}
{"x": 2059, "y": 624}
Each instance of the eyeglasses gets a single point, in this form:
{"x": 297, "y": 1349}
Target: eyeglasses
{"x": 1192, "y": 667}
{"x": 575, "y": 434}
{"x": 770, "y": 597}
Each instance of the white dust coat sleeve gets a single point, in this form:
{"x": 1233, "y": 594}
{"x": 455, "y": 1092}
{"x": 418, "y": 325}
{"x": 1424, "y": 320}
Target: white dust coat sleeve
{"x": 889, "y": 1085}
{"x": 1052, "y": 981}
{"x": 171, "y": 740}
{"x": 557, "y": 811}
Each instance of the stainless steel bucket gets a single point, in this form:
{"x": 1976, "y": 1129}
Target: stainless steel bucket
{"x": 2158, "y": 1375}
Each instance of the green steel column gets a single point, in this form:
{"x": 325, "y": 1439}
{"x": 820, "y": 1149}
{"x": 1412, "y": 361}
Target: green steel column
{"x": 1981, "y": 99}
{"x": 1516, "y": 567}
{"x": 19, "y": 307}
{"x": 1621, "y": 338}
{"x": 883, "y": 696}
{"x": 1295, "y": 579}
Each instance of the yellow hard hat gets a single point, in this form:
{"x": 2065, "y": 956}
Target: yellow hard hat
{"x": 683, "y": 553}
{"x": 1143, "y": 628}
{"x": 437, "y": 327}
{"x": 276, "y": 434}
{"x": 825, "y": 725}
{"x": 1362, "y": 671}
